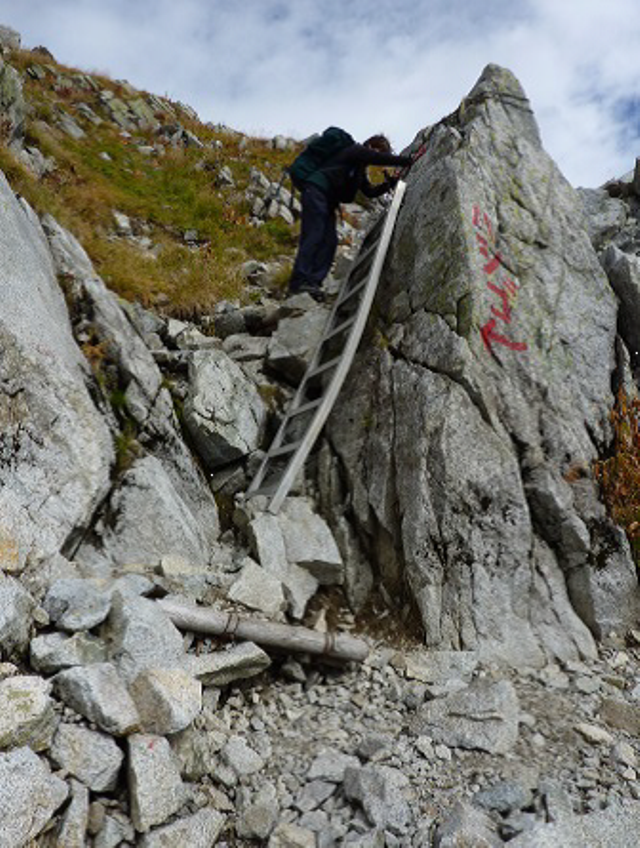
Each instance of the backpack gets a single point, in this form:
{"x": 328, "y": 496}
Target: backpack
{"x": 317, "y": 153}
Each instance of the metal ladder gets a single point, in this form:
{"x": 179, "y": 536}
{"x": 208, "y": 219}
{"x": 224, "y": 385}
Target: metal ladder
{"x": 328, "y": 367}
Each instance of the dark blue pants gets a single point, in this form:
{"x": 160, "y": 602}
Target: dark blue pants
{"x": 318, "y": 239}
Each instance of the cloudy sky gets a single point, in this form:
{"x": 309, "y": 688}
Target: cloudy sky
{"x": 295, "y": 66}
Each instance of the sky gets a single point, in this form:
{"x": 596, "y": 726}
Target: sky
{"x": 293, "y": 67}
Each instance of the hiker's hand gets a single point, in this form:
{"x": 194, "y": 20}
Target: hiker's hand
{"x": 391, "y": 179}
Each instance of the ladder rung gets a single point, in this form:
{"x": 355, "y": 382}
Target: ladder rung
{"x": 348, "y": 295}
{"x": 331, "y": 363}
{"x": 363, "y": 258}
{"x": 306, "y": 407}
{"x": 339, "y": 329}
{"x": 290, "y": 447}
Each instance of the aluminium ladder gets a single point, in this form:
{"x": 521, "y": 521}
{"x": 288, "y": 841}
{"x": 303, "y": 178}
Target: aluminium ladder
{"x": 329, "y": 365}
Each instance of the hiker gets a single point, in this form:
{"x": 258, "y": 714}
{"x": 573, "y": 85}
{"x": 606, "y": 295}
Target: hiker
{"x": 324, "y": 184}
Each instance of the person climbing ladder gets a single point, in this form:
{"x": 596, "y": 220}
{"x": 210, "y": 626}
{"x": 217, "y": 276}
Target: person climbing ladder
{"x": 331, "y": 170}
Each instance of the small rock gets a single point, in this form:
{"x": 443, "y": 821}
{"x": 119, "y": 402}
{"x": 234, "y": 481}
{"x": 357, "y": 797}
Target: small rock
{"x": 439, "y": 666}
{"x": 143, "y": 636}
{"x": 97, "y": 813}
{"x": 29, "y": 796}
{"x": 176, "y": 566}
{"x": 309, "y": 542}
{"x": 374, "y": 744}
{"x": 504, "y": 797}
{"x": 94, "y": 758}
{"x": 73, "y": 828}
{"x": 259, "y": 817}
{"x": 624, "y": 753}
{"x": 16, "y": 609}
{"x": 594, "y": 734}
{"x": 587, "y": 685}
{"x": 26, "y": 713}
{"x": 123, "y": 223}
{"x": 200, "y": 830}
{"x": 197, "y": 752}
{"x": 116, "y": 831}
{"x": 331, "y": 765}
{"x": 465, "y": 825}
{"x": 259, "y": 590}
{"x": 378, "y": 789}
{"x": 292, "y": 836}
{"x": 621, "y": 715}
{"x": 485, "y": 715}
{"x": 55, "y": 651}
{"x": 167, "y": 700}
{"x": 155, "y": 788}
{"x": 313, "y": 795}
{"x": 443, "y": 753}
{"x": 241, "y": 758}
{"x": 98, "y": 693}
{"x": 220, "y": 668}
{"x": 76, "y": 604}
{"x": 424, "y": 744}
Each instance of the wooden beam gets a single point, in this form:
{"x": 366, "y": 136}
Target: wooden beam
{"x": 269, "y": 634}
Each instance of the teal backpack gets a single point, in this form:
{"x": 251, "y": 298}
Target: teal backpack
{"x": 320, "y": 150}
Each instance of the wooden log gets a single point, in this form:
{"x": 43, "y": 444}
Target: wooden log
{"x": 266, "y": 633}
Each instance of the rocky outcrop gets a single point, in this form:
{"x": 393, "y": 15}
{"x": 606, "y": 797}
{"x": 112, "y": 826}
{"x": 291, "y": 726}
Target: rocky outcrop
{"x": 12, "y": 104}
{"x": 184, "y": 512}
{"x": 490, "y": 398}
{"x": 623, "y": 270}
{"x": 55, "y": 447}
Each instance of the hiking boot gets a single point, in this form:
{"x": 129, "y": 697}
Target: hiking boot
{"x": 315, "y": 291}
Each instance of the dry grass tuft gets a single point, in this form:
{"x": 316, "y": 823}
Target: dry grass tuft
{"x": 619, "y": 475}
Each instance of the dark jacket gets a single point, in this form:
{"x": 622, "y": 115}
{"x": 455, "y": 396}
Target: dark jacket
{"x": 346, "y": 173}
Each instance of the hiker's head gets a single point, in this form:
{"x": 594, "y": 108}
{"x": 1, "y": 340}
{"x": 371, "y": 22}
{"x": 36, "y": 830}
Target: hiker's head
{"x": 379, "y": 143}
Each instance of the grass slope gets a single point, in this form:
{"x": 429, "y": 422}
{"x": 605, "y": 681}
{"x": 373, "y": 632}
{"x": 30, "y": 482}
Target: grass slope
{"x": 166, "y": 190}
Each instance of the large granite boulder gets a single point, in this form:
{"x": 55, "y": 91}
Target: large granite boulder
{"x": 149, "y": 520}
{"x": 224, "y": 412}
{"x": 470, "y": 480}
{"x": 55, "y": 448}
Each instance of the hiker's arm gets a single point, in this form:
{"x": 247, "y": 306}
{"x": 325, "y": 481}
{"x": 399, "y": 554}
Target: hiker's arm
{"x": 377, "y": 190}
{"x": 360, "y": 154}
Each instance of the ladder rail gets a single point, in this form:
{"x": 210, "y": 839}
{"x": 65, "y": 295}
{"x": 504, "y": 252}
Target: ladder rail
{"x": 332, "y": 326}
{"x": 342, "y": 368}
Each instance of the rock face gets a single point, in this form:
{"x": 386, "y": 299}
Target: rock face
{"x": 184, "y": 508}
{"x": 42, "y": 390}
{"x": 490, "y": 399}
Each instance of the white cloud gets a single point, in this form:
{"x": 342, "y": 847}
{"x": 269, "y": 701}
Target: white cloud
{"x": 295, "y": 66}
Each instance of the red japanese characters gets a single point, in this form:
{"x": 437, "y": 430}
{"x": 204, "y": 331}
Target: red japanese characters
{"x": 497, "y": 282}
